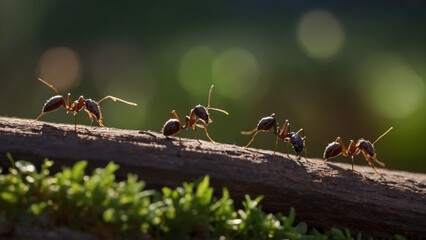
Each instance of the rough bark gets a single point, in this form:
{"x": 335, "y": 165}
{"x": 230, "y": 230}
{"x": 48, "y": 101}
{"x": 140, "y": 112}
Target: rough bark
{"x": 324, "y": 195}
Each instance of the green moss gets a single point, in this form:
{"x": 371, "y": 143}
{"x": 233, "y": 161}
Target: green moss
{"x": 108, "y": 209}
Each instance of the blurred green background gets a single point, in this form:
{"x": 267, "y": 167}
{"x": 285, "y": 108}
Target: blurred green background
{"x": 333, "y": 68}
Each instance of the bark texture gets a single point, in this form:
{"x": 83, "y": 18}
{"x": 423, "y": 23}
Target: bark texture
{"x": 324, "y": 195}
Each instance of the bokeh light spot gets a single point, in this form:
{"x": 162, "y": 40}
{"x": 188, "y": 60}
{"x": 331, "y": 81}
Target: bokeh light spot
{"x": 392, "y": 87}
{"x": 61, "y": 67}
{"x": 236, "y": 73}
{"x": 320, "y": 34}
{"x": 195, "y": 72}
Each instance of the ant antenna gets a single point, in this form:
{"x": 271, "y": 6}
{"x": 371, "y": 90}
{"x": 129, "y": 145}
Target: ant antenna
{"x": 117, "y": 99}
{"x": 383, "y": 135}
{"x": 49, "y": 85}
{"x": 210, "y": 93}
{"x": 214, "y": 109}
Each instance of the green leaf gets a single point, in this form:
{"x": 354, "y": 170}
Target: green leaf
{"x": 337, "y": 234}
{"x": 77, "y": 171}
{"x": 288, "y": 222}
{"x": 203, "y": 187}
{"x": 110, "y": 215}
{"x": 8, "y": 197}
{"x": 37, "y": 208}
{"x": 302, "y": 228}
{"x": 399, "y": 237}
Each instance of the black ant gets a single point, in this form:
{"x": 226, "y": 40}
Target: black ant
{"x": 264, "y": 125}
{"x": 199, "y": 112}
{"x": 363, "y": 146}
{"x": 297, "y": 142}
{"x": 90, "y": 106}
{"x": 269, "y": 123}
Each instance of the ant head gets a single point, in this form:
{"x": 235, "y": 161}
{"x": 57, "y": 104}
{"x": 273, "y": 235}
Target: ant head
{"x": 93, "y": 108}
{"x": 297, "y": 142}
{"x": 332, "y": 150}
{"x": 266, "y": 123}
{"x": 201, "y": 112}
{"x": 290, "y": 134}
{"x": 366, "y": 146}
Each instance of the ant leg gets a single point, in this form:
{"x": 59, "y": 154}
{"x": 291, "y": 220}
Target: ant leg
{"x": 75, "y": 121}
{"x": 68, "y": 106}
{"x": 377, "y": 161}
{"x": 342, "y": 145}
{"x": 252, "y": 139}
{"x": 91, "y": 117}
{"x": 305, "y": 149}
{"x": 101, "y": 124}
{"x": 207, "y": 133}
{"x": 39, "y": 116}
{"x": 288, "y": 155}
{"x": 174, "y": 113}
{"x": 194, "y": 127}
{"x": 282, "y": 133}
{"x": 275, "y": 147}
{"x": 180, "y": 140}
{"x": 249, "y": 132}
{"x": 369, "y": 161}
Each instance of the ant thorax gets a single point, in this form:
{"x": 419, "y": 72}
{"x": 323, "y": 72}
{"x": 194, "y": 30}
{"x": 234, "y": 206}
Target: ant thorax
{"x": 77, "y": 105}
{"x": 201, "y": 112}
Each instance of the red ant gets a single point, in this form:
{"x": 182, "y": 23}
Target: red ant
{"x": 269, "y": 123}
{"x": 363, "y": 146}
{"x": 199, "y": 112}
{"x": 90, "y": 106}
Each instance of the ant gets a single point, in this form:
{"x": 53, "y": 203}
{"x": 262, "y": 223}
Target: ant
{"x": 297, "y": 142}
{"x": 269, "y": 123}
{"x": 264, "y": 125}
{"x": 363, "y": 146}
{"x": 90, "y": 106}
{"x": 198, "y": 113}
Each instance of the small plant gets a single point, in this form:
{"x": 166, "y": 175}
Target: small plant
{"x": 99, "y": 205}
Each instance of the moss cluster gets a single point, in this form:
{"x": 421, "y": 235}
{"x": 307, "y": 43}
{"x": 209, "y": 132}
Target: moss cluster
{"x": 108, "y": 209}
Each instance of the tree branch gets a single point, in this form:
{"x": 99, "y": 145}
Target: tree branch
{"x": 324, "y": 195}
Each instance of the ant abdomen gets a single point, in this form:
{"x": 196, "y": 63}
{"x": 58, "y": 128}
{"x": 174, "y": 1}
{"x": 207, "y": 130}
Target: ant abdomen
{"x": 171, "y": 127}
{"x": 53, "y": 103}
{"x": 332, "y": 150}
{"x": 266, "y": 123}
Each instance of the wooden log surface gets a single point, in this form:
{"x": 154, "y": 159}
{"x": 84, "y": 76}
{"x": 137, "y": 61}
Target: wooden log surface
{"x": 324, "y": 195}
